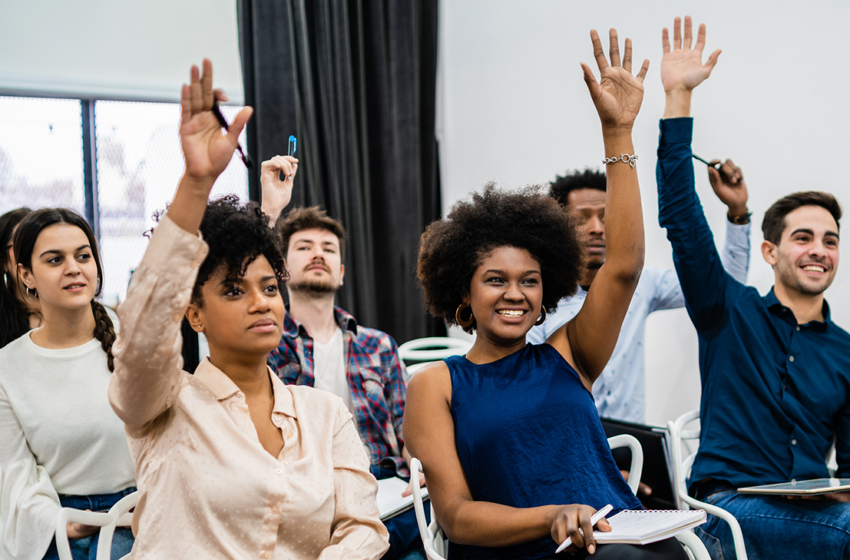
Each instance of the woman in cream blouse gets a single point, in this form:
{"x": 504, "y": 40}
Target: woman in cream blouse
{"x": 230, "y": 462}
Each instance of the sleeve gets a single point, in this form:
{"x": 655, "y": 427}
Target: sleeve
{"x": 357, "y": 531}
{"x": 736, "y": 251}
{"x": 706, "y": 286}
{"x": 667, "y": 292}
{"x": 395, "y": 388}
{"x": 29, "y": 504}
{"x": 148, "y": 360}
{"x": 537, "y": 334}
{"x": 842, "y": 443}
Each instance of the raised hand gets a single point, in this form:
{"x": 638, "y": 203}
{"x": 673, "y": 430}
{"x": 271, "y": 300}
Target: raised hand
{"x": 206, "y": 150}
{"x": 618, "y": 95}
{"x": 277, "y": 193}
{"x": 682, "y": 67}
{"x": 729, "y": 186}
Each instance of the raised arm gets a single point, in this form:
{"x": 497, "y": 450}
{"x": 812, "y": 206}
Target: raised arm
{"x": 148, "y": 361}
{"x": 590, "y": 337}
{"x": 277, "y": 193}
{"x": 704, "y": 281}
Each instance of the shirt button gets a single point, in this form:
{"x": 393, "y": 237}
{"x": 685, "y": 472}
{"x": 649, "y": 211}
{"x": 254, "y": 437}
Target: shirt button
{"x": 790, "y": 358}
{"x": 267, "y": 555}
{"x": 783, "y": 386}
{"x": 798, "y": 328}
{"x": 793, "y": 442}
{"x": 279, "y": 471}
{"x": 177, "y": 317}
{"x": 274, "y": 509}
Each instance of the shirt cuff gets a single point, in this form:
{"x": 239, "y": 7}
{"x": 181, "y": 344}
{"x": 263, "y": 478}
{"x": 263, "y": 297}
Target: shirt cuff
{"x": 676, "y": 131}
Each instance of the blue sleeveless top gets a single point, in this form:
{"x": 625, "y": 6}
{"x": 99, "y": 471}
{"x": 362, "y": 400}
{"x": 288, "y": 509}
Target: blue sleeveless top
{"x": 528, "y": 434}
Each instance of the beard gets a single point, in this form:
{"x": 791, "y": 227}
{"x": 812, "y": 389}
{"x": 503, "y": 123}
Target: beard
{"x": 313, "y": 287}
{"x": 789, "y": 276}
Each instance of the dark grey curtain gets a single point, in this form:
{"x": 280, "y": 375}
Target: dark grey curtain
{"x": 355, "y": 82}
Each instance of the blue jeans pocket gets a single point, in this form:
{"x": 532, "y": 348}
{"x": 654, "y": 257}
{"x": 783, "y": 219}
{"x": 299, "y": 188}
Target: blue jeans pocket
{"x": 712, "y": 543}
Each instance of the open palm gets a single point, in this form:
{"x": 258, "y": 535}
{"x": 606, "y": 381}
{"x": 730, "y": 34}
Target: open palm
{"x": 618, "y": 95}
{"x": 206, "y": 149}
{"x": 682, "y": 67}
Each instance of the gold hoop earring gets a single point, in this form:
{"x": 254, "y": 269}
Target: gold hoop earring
{"x": 542, "y": 317}
{"x": 459, "y": 319}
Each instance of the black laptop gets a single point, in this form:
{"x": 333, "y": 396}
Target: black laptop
{"x": 656, "y": 474}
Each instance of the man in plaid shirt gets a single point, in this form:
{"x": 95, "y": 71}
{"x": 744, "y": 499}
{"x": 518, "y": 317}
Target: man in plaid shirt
{"x": 323, "y": 347}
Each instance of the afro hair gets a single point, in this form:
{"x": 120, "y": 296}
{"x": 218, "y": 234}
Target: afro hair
{"x": 451, "y": 250}
{"x": 561, "y": 187}
{"x": 236, "y": 234}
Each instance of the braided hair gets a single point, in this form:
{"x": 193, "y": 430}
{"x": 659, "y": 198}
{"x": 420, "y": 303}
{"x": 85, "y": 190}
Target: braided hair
{"x": 24, "y": 244}
{"x": 14, "y": 316}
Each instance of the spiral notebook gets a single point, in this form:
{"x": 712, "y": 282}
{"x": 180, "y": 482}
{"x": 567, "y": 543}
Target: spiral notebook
{"x": 648, "y": 526}
{"x": 390, "y": 500}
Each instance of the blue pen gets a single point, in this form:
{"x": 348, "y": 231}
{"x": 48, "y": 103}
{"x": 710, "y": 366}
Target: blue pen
{"x": 293, "y": 144}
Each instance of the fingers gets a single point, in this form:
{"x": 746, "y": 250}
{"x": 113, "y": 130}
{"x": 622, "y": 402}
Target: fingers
{"x": 587, "y": 529}
{"x": 604, "y": 526}
{"x": 627, "y": 56}
{"x": 700, "y": 38}
{"x": 590, "y": 80}
{"x": 644, "y": 68}
{"x": 206, "y": 85}
{"x": 185, "y": 104}
{"x": 197, "y": 93}
{"x": 731, "y": 171}
{"x": 665, "y": 40}
{"x": 689, "y": 38}
{"x": 235, "y": 128}
{"x": 644, "y": 489}
{"x": 677, "y": 34}
{"x": 598, "y": 51}
{"x": 220, "y": 95}
{"x": 713, "y": 176}
{"x": 712, "y": 60}
{"x": 614, "y": 47}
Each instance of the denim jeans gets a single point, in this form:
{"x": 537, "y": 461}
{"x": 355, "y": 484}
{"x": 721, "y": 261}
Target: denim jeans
{"x": 405, "y": 541}
{"x": 86, "y": 548}
{"x": 775, "y": 527}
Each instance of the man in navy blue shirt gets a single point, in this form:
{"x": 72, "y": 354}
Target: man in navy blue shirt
{"x": 775, "y": 369}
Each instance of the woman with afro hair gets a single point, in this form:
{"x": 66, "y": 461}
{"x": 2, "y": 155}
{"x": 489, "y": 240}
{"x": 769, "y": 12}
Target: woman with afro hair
{"x": 231, "y": 463}
{"x": 509, "y": 437}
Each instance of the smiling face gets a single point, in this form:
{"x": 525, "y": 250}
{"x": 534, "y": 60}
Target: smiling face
{"x": 806, "y": 259}
{"x": 64, "y": 271}
{"x": 505, "y": 294}
{"x": 587, "y": 206}
{"x": 313, "y": 259}
{"x": 242, "y": 315}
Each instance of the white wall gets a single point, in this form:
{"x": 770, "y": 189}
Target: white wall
{"x": 514, "y": 109}
{"x": 116, "y": 49}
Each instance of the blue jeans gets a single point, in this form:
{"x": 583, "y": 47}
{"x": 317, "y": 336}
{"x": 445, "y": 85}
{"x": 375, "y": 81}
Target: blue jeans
{"x": 86, "y": 548}
{"x": 778, "y": 527}
{"x": 405, "y": 541}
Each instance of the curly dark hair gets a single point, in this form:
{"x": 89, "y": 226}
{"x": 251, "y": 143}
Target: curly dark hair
{"x": 451, "y": 249}
{"x": 237, "y": 234}
{"x": 561, "y": 187}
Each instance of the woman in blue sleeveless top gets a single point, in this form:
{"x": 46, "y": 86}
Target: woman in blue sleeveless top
{"x": 509, "y": 436}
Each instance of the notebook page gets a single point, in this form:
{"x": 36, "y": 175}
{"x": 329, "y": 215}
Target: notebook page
{"x": 641, "y": 526}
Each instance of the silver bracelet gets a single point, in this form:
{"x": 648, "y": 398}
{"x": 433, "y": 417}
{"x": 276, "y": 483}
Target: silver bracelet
{"x": 625, "y": 158}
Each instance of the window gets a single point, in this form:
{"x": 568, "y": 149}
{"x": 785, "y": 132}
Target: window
{"x": 138, "y": 161}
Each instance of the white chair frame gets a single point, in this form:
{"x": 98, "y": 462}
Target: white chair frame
{"x": 118, "y": 516}
{"x": 682, "y": 470}
{"x": 414, "y": 349}
{"x": 436, "y": 543}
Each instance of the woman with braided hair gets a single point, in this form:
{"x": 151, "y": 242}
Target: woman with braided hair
{"x": 62, "y": 444}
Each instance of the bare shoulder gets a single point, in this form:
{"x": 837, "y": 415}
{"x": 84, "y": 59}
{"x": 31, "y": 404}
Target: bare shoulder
{"x": 432, "y": 380}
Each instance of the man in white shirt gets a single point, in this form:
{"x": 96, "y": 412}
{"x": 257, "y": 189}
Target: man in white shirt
{"x": 620, "y": 391}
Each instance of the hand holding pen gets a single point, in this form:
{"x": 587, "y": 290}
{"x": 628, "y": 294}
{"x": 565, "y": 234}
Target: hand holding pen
{"x": 575, "y": 527}
{"x": 277, "y": 179}
{"x": 727, "y": 180}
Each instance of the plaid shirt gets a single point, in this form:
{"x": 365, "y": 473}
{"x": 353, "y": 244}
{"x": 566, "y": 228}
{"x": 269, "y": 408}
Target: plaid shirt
{"x": 376, "y": 376}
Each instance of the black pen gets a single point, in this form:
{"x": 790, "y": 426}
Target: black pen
{"x": 220, "y": 118}
{"x": 708, "y": 163}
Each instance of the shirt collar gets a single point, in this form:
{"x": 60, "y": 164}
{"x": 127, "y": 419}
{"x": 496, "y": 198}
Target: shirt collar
{"x": 345, "y": 320}
{"x": 222, "y": 387}
{"x": 774, "y": 305}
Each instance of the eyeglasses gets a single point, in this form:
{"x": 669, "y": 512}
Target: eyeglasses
{"x": 246, "y": 159}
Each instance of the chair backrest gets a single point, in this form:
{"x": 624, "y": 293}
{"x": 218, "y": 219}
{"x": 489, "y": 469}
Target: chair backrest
{"x": 682, "y": 470}
{"x": 433, "y": 348}
{"x": 117, "y": 516}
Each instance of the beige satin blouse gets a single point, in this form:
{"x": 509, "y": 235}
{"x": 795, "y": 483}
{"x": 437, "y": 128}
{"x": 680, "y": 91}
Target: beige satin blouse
{"x": 208, "y": 487}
